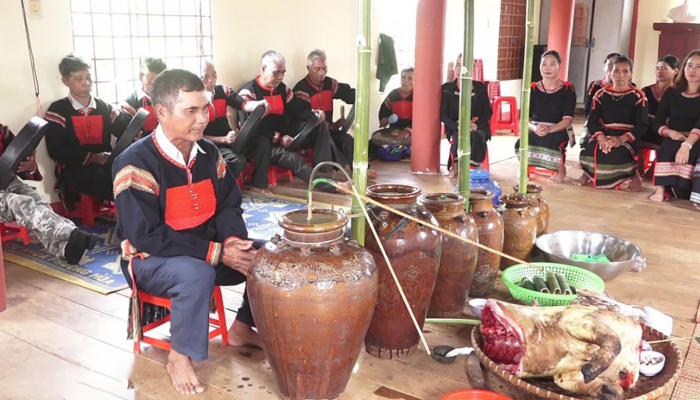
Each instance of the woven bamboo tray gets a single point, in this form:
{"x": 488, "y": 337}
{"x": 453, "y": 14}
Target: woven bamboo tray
{"x": 502, "y": 381}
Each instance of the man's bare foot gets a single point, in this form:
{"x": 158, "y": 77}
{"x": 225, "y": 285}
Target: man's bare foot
{"x": 635, "y": 184}
{"x": 658, "y": 194}
{"x": 559, "y": 176}
{"x": 182, "y": 374}
{"x": 260, "y": 191}
{"x": 697, "y": 206}
{"x": 372, "y": 174}
{"x": 582, "y": 180}
{"x": 347, "y": 185}
{"x": 241, "y": 334}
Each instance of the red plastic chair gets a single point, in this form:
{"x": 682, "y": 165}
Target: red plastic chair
{"x": 90, "y": 208}
{"x": 12, "y": 231}
{"x": 649, "y": 157}
{"x": 219, "y": 324}
{"x": 532, "y": 170}
{"x": 498, "y": 121}
{"x": 275, "y": 172}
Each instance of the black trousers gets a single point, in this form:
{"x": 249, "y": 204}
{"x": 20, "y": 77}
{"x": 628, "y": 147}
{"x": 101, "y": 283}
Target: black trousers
{"x": 290, "y": 160}
{"x": 189, "y": 284}
{"x": 258, "y": 150}
{"x": 92, "y": 180}
{"x": 345, "y": 147}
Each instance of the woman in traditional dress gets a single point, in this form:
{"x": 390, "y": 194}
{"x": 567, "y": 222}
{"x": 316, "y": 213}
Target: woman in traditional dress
{"x": 617, "y": 121}
{"x": 677, "y": 172}
{"x": 666, "y": 71}
{"x": 552, "y": 104}
{"x": 595, "y": 86}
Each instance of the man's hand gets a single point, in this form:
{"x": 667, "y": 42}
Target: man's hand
{"x": 230, "y": 138}
{"x": 405, "y": 132}
{"x": 473, "y": 126}
{"x": 238, "y": 255}
{"x": 383, "y": 122}
{"x": 675, "y": 135}
{"x": 28, "y": 165}
{"x": 286, "y": 141}
{"x": 337, "y": 125}
{"x": 321, "y": 116}
{"x": 100, "y": 158}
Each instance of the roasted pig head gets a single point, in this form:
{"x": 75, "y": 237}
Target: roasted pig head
{"x": 586, "y": 350}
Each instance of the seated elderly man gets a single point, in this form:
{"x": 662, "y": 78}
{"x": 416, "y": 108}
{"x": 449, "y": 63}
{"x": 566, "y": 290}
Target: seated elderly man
{"x": 275, "y": 125}
{"x": 79, "y": 136}
{"x": 141, "y": 97}
{"x": 183, "y": 230}
{"x": 21, "y": 203}
{"x": 219, "y": 130}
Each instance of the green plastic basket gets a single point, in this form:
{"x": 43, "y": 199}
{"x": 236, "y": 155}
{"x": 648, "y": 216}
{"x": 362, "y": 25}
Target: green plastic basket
{"x": 575, "y": 276}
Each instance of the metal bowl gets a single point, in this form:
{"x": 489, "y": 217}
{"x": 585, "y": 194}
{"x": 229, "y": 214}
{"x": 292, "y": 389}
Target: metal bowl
{"x": 623, "y": 255}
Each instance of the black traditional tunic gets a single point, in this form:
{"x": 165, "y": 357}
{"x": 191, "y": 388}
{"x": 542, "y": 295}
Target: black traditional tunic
{"x": 401, "y": 104}
{"x": 139, "y": 99}
{"x": 75, "y": 134}
{"x": 680, "y": 112}
{"x": 179, "y": 215}
{"x": 222, "y": 98}
{"x": 549, "y": 107}
{"x": 481, "y": 116}
{"x": 613, "y": 113}
{"x": 321, "y": 98}
{"x": 284, "y": 107}
{"x": 651, "y": 138}
{"x": 593, "y": 88}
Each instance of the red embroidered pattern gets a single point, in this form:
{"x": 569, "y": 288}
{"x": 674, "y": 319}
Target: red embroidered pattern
{"x": 218, "y": 110}
{"x": 187, "y": 207}
{"x": 151, "y": 122}
{"x": 323, "y": 100}
{"x": 402, "y": 109}
{"x": 88, "y": 129}
{"x": 276, "y": 104}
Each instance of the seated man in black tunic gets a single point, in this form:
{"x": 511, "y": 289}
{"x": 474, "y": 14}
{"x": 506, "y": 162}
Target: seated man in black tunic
{"x": 182, "y": 230}
{"x": 80, "y": 132}
{"x": 219, "y": 130}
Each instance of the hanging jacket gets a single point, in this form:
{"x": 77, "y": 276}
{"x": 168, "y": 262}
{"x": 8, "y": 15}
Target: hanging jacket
{"x": 386, "y": 61}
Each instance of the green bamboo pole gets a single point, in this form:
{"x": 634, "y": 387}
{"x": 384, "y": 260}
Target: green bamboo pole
{"x": 465, "y": 101}
{"x": 360, "y": 164}
{"x": 525, "y": 98}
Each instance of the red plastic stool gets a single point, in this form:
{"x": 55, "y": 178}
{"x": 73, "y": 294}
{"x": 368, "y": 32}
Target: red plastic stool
{"x": 12, "y": 231}
{"x": 275, "y": 172}
{"x": 90, "y": 208}
{"x": 649, "y": 157}
{"x": 486, "y": 165}
{"x": 220, "y": 323}
{"x": 498, "y": 122}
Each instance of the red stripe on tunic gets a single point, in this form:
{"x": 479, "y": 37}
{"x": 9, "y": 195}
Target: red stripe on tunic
{"x": 88, "y": 129}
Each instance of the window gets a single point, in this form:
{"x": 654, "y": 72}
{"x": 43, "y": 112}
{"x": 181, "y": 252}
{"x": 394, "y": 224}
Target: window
{"x": 511, "y": 41}
{"x": 115, "y": 34}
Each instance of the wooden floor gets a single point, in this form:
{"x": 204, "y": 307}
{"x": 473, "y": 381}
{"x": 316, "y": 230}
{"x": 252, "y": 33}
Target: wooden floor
{"x": 60, "y": 341}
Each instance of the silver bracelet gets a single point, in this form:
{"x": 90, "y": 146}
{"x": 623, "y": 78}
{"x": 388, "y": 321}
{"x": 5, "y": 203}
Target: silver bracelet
{"x": 686, "y": 144}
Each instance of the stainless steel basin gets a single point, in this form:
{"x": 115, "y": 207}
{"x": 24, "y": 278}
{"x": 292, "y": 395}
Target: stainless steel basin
{"x": 623, "y": 255}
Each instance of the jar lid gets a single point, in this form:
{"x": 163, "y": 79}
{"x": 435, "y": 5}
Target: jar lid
{"x": 514, "y": 200}
{"x": 532, "y": 188}
{"x": 480, "y": 194}
{"x": 442, "y": 199}
{"x": 322, "y": 220}
{"x": 393, "y": 192}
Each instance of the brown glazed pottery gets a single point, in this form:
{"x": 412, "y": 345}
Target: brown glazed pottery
{"x": 538, "y": 205}
{"x": 520, "y": 229}
{"x": 414, "y": 252}
{"x": 312, "y": 293}
{"x": 458, "y": 258}
{"x": 490, "y": 225}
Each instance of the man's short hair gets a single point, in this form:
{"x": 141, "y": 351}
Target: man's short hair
{"x": 166, "y": 87}
{"x": 316, "y": 54}
{"x": 153, "y": 64}
{"x": 71, "y": 63}
{"x": 271, "y": 56}
{"x": 405, "y": 70}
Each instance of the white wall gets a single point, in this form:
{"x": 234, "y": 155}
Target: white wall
{"x": 647, "y": 40}
{"x": 51, "y": 39}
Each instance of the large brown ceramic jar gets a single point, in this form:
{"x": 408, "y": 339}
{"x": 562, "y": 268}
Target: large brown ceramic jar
{"x": 458, "y": 258}
{"x": 538, "y": 205}
{"x": 414, "y": 252}
{"x": 490, "y": 225}
{"x": 520, "y": 229}
{"x": 312, "y": 293}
